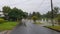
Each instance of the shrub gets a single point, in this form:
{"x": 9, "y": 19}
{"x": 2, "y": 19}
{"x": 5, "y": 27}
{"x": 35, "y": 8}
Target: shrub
{"x": 34, "y": 18}
{"x": 58, "y": 19}
{"x": 2, "y": 20}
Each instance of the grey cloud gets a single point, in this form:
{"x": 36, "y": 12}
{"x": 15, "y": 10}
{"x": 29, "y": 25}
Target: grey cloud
{"x": 41, "y": 6}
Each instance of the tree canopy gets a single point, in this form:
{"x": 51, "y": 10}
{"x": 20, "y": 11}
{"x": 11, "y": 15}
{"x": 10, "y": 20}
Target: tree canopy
{"x": 37, "y": 14}
{"x": 14, "y": 13}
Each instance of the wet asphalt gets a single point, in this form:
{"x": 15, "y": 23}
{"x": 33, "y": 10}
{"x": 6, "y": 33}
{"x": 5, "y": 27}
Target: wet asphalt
{"x": 30, "y": 28}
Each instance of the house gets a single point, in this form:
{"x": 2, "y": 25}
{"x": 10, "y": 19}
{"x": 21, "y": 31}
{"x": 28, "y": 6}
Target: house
{"x": 1, "y": 14}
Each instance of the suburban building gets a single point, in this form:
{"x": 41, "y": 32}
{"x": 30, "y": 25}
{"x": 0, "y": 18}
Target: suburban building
{"x": 1, "y": 14}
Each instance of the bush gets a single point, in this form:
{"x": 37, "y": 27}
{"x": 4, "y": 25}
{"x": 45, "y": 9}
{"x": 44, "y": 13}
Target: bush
{"x": 2, "y": 20}
{"x": 58, "y": 19}
{"x": 34, "y": 18}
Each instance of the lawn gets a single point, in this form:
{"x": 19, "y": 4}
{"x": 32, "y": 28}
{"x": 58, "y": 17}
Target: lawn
{"x": 7, "y": 26}
{"x": 54, "y": 27}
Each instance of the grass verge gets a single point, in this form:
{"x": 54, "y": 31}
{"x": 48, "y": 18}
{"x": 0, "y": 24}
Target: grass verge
{"x": 7, "y": 26}
{"x": 56, "y": 28}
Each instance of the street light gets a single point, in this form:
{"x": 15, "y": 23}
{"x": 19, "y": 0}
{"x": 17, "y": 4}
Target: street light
{"x": 52, "y": 13}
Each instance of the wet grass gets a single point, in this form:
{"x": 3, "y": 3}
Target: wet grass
{"x": 54, "y": 27}
{"x": 7, "y": 25}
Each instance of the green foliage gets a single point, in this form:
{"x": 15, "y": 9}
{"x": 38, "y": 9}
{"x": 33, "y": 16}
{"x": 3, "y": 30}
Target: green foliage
{"x": 52, "y": 14}
{"x": 6, "y": 9}
{"x": 54, "y": 27}
{"x": 58, "y": 19}
{"x": 2, "y": 20}
{"x": 37, "y": 23}
{"x": 17, "y": 13}
{"x": 7, "y": 25}
{"x": 37, "y": 14}
{"x": 34, "y": 18}
{"x": 25, "y": 15}
{"x": 14, "y": 13}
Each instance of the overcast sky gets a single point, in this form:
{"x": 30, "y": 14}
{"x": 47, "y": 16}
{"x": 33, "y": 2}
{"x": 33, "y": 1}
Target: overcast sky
{"x": 29, "y": 6}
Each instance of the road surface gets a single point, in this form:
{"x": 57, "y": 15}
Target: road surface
{"x": 32, "y": 29}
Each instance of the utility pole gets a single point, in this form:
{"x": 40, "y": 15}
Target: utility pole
{"x": 52, "y": 13}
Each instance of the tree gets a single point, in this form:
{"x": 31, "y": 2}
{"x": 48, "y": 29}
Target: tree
{"x": 37, "y": 14}
{"x": 34, "y": 19}
{"x": 33, "y": 14}
{"x": 6, "y": 10}
{"x": 58, "y": 19}
{"x": 52, "y": 14}
{"x": 13, "y": 13}
{"x": 55, "y": 12}
{"x": 16, "y": 13}
{"x": 25, "y": 15}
